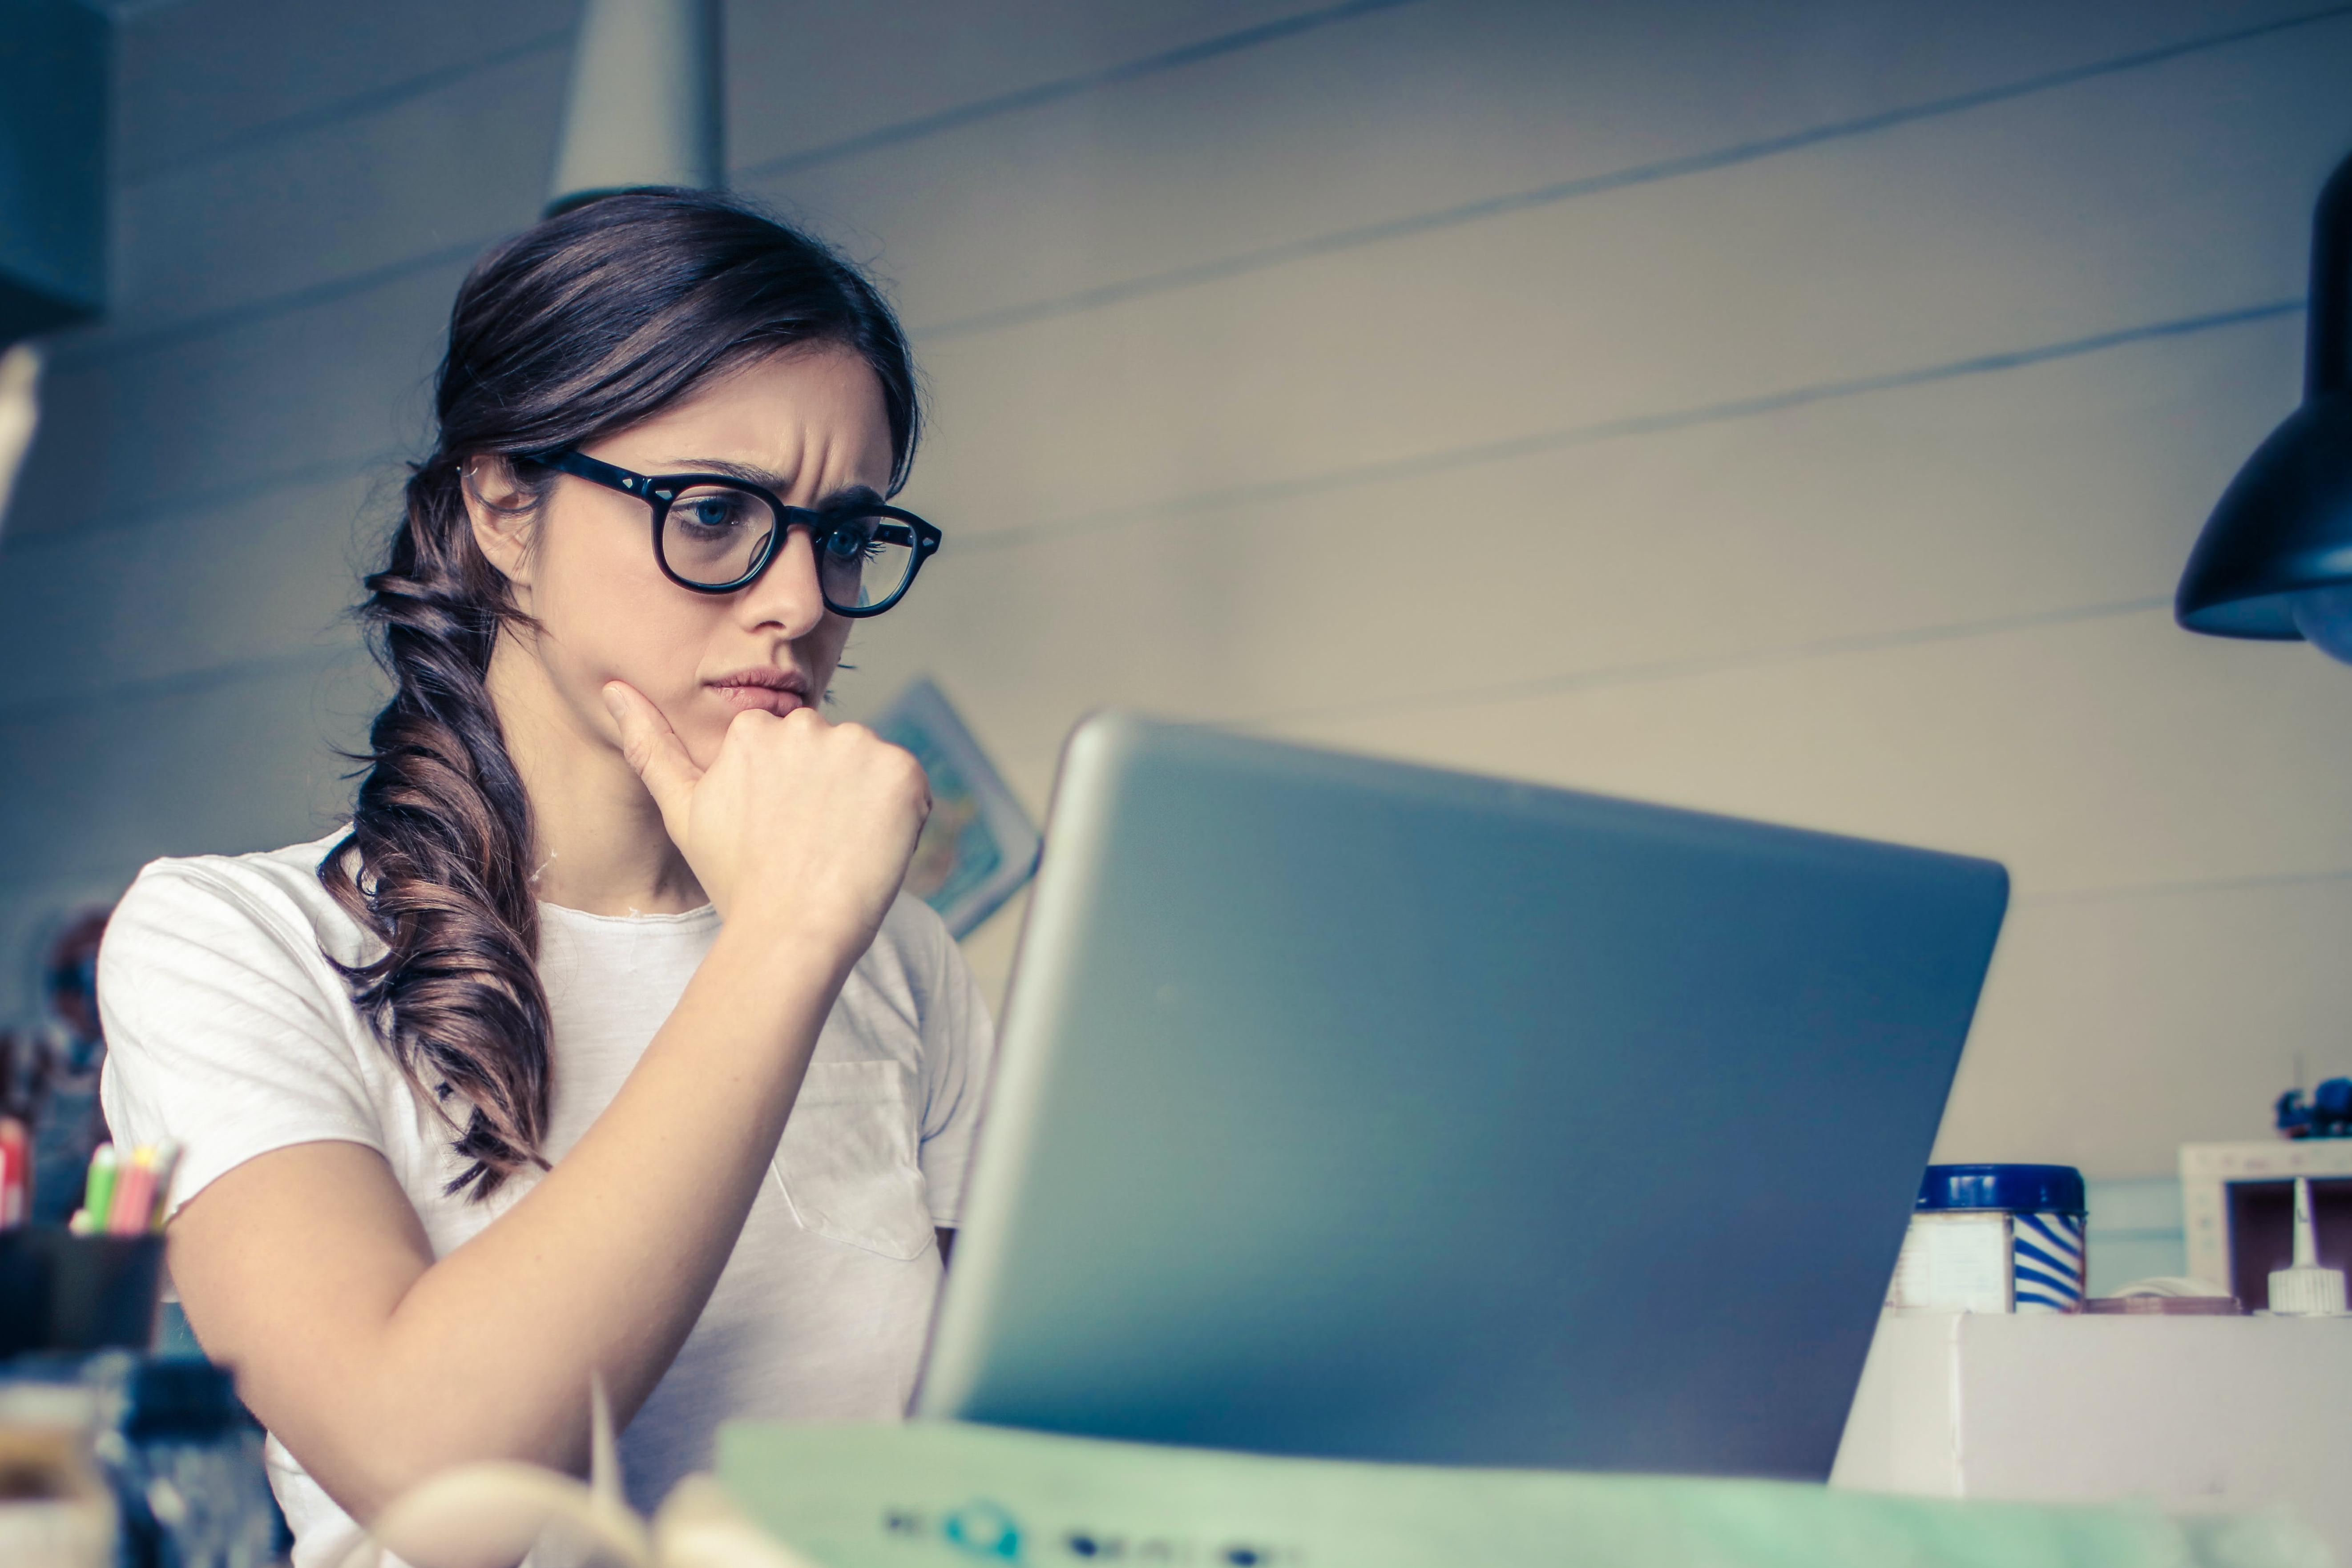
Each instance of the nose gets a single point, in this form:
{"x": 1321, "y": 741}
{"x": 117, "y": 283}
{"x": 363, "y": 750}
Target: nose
{"x": 786, "y": 595}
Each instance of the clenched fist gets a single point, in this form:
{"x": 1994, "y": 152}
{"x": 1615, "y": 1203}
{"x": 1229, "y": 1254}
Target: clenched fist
{"x": 799, "y": 826}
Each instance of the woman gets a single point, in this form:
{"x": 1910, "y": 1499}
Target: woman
{"x": 489, "y": 1092}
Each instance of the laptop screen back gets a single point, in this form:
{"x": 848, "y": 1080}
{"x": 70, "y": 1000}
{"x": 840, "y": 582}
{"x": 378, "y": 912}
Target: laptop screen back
{"x": 1358, "y": 1110}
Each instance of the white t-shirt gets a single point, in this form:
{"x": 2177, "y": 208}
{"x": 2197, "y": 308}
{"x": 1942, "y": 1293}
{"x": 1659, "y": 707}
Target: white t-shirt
{"x": 228, "y": 1031}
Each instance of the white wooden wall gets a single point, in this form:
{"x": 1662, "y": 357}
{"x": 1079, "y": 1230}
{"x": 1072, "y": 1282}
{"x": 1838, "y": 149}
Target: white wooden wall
{"x": 1794, "y": 407}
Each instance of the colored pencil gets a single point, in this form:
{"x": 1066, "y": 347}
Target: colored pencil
{"x": 15, "y": 1172}
{"x": 98, "y": 1189}
{"x": 134, "y": 1191}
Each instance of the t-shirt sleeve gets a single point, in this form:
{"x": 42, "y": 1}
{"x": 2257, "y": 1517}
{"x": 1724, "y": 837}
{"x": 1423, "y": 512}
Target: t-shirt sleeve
{"x": 958, "y": 1047}
{"x": 226, "y": 1031}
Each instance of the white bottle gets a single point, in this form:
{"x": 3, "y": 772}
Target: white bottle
{"x": 2306, "y": 1290}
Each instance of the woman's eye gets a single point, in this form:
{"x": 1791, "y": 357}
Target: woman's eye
{"x": 847, "y": 543}
{"x": 711, "y": 511}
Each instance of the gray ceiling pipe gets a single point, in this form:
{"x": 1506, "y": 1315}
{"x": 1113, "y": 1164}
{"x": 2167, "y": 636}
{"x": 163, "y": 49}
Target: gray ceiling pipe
{"x": 646, "y": 106}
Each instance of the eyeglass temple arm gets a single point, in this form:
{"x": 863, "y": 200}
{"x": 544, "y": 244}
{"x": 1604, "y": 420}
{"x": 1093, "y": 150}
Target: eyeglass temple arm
{"x": 580, "y": 465}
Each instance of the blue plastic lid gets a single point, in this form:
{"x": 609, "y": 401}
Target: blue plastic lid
{"x": 2021, "y": 1189}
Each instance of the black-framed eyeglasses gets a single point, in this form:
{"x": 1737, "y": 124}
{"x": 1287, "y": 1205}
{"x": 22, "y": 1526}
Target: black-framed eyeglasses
{"x": 716, "y": 533}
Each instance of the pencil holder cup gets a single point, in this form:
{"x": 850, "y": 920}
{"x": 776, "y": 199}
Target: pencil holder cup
{"x": 60, "y": 1292}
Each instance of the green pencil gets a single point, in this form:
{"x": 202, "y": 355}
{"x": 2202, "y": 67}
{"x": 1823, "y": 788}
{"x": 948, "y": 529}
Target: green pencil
{"x": 98, "y": 1195}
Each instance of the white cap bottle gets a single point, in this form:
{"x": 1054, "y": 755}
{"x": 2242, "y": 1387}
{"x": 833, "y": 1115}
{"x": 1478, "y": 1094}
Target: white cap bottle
{"x": 2306, "y": 1290}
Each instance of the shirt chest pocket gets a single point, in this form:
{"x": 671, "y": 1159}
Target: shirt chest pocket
{"x": 846, "y": 1164}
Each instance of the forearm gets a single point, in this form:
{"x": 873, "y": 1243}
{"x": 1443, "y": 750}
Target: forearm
{"x": 603, "y": 1267}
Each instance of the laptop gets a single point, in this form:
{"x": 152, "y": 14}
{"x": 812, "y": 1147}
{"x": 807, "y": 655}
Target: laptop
{"x": 1352, "y": 1109}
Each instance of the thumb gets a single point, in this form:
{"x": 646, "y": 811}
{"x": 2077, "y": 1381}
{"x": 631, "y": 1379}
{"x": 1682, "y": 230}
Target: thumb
{"x": 652, "y": 748}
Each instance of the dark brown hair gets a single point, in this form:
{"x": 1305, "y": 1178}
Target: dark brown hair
{"x": 593, "y": 321}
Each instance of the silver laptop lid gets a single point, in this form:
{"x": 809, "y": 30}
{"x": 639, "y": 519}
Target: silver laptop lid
{"x": 1360, "y": 1109}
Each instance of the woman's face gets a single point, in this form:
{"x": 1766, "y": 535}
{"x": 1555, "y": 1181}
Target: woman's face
{"x": 810, "y": 425}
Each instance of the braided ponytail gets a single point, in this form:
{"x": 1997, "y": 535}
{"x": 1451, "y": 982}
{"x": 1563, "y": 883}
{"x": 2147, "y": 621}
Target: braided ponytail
{"x": 591, "y": 321}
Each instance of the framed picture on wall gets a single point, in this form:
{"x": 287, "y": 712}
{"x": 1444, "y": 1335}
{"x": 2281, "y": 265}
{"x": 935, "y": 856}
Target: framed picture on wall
{"x": 979, "y": 845}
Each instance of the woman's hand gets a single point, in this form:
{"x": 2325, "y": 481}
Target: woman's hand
{"x": 798, "y": 826}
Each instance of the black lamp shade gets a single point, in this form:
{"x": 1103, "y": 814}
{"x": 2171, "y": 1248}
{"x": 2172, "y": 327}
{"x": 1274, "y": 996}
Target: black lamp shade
{"x": 2285, "y": 522}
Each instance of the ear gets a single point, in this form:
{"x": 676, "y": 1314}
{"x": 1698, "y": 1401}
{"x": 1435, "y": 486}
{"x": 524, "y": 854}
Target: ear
{"x": 501, "y": 512}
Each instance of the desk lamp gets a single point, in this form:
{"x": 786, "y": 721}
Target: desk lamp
{"x": 647, "y": 105}
{"x": 2275, "y": 558}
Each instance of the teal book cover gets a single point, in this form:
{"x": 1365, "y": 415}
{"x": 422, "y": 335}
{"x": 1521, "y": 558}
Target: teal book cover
{"x": 980, "y": 845}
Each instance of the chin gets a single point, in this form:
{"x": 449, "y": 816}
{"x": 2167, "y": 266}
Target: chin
{"x": 702, "y": 741}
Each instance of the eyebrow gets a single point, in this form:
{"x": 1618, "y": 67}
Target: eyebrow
{"x": 768, "y": 478}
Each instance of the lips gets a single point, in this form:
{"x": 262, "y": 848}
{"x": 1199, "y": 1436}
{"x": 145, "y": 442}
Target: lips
{"x": 777, "y": 691}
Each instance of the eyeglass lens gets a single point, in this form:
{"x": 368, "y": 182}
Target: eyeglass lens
{"x": 712, "y": 535}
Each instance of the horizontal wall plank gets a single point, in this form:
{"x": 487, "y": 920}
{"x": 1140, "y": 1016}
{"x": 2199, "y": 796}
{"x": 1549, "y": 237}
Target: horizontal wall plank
{"x": 2112, "y": 1031}
{"x": 1117, "y": 183}
{"x": 224, "y": 767}
{"x": 86, "y": 613}
{"x": 299, "y": 201}
{"x": 1045, "y": 421}
{"x": 2034, "y": 223}
{"x": 803, "y": 77}
{"x": 199, "y": 421}
{"x": 1113, "y": 183}
{"x": 1961, "y": 503}
{"x": 1422, "y": 110}
{"x": 193, "y": 79}
{"x": 1973, "y": 501}
{"x": 198, "y": 78}
{"x": 2088, "y": 755}
{"x": 31, "y": 917}
{"x": 297, "y": 212}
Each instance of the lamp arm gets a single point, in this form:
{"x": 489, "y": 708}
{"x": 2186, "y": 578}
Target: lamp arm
{"x": 2328, "y": 351}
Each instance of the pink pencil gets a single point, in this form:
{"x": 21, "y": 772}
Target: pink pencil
{"x": 15, "y": 1172}
{"x": 134, "y": 1194}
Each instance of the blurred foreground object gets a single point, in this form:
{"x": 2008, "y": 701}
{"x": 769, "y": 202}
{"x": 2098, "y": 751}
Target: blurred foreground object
{"x": 487, "y": 1515}
{"x": 978, "y": 846}
{"x": 2169, "y": 1295}
{"x": 174, "y": 1459}
{"x": 55, "y": 1510}
{"x": 53, "y": 83}
{"x": 646, "y": 106}
{"x": 62, "y": 1293}
{"x": 49, "y": 1073}
{"x": 20, "y": 410}
{"x": 2328, "y": 1115}
{"x": 941, "y": 1492}
{"x": 2200, "y": 1412}
{"x": 2276, "y": 559}
{"x": 869, "y": 1495}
